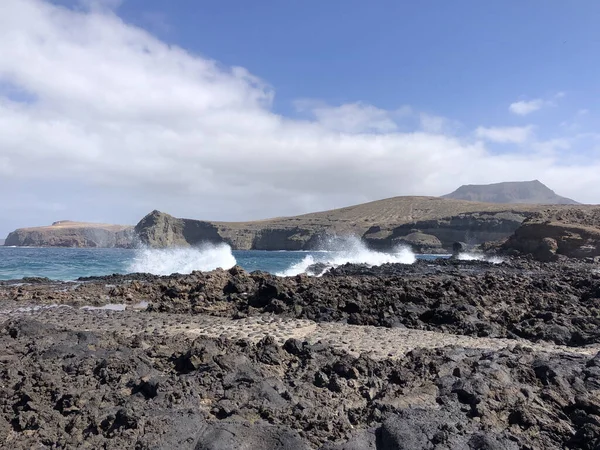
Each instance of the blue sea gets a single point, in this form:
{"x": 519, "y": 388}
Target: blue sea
{"x": 72, "y": 263}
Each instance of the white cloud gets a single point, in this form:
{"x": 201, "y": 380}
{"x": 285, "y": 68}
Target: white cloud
{"x": 522, "y": 108}
{"x": 431, "y": 123}
{"x": 552, "y": 146}
{"x": 505, "y": 135}
{"x": 111, "y": 122}
{"x": 100, "y": 5}
{"x": 349, "y": 118}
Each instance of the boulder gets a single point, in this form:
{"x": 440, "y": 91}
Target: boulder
{"x": 459, "y": 247}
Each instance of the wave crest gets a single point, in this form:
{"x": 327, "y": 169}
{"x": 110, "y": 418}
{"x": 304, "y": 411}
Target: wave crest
{"x": 167, "y": 261}
{"x": 349, "y": 250}
{"x": 479, "y": 257}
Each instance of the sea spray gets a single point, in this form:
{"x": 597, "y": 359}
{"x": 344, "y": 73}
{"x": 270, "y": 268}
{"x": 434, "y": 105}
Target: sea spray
{"x": 350, "y": 250}
{"x": 479, "y": 257}
{"x": 182, "y": 260}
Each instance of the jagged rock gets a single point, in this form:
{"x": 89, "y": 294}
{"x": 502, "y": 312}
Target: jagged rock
{"x": 130, "y": 379}
{"x": 555, "y": 302}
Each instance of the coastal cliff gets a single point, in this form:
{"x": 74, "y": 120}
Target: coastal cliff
{"x": 427, "y": 224}
{"x": 73, "y": 234}
{"x": 571, "y": 232}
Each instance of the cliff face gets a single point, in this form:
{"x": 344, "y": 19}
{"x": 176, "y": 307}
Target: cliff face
{"x": 162, "y": 230}
{"x": 427, "y": 224}
{"x": 574, "y": 233}
{"x": 73, "y": 234}
{"x": 471, "y": 228}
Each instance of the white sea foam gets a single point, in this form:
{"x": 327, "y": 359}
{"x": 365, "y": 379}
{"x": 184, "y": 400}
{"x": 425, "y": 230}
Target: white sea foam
{"x": 182, "y": 260}
{"x": 479, "y": 257}
{"x": 117, "y": 307}
{"x": 350, "y": 250}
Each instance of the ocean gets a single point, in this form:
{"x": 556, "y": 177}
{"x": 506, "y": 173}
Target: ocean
{"x": 72, "y": 263}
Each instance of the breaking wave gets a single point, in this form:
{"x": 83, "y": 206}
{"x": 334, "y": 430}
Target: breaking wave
{"x": 479, "y": 257}
{"x": 349, "y": 250}
{"x": 182, "y": 260}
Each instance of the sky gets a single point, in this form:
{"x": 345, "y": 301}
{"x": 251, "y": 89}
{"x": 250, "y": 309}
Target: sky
{"x": 236, "y": 110}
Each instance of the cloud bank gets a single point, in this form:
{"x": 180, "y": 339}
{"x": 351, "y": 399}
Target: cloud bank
{"x": 103, "y": 121}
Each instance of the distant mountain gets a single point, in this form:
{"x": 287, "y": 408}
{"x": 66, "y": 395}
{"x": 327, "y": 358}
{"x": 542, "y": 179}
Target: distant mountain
{"x": 72, "y": 234}
{"x": 1, "y": 242}
{"x": 525, "y": 192}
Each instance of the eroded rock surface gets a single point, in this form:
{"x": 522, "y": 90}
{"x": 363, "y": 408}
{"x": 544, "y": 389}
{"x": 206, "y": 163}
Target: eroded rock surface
{"x": 68, "y": 386}
{"x": 547, "y": 235}
{"x": 394, "y": 357}
{"x": 555, "y": 302}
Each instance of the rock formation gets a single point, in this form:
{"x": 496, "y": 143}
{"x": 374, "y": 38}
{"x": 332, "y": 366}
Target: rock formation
{"x": 531, "y": 192}
{"x": 73, "y": 234}
{"x": 427, "y": 224}
{"x": 573, "y": 233}
{"x": 392, "y": 357}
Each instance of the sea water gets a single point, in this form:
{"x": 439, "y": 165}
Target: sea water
{"x": 72, "y": 263}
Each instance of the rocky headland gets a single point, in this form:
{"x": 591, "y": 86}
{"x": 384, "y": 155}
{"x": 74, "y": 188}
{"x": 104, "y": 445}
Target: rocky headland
{"x": 434, "y": 355}
{"x": 66, "y": 233}
{"x": 427, "y": 224}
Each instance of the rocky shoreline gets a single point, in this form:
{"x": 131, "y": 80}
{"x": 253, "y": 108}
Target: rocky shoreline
{"x": 435, "y": 355}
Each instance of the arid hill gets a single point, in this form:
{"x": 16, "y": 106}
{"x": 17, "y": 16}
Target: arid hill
{"x": 529, "y": 192}
{"x": 382, "y": 224}
{"x": 73, "y": 234}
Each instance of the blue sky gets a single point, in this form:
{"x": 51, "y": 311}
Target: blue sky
{"x": 460, "y": 58}
{"x": 283, "y": 107}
